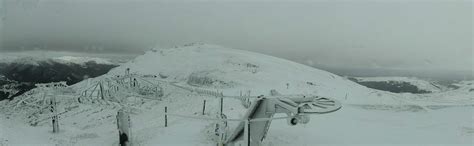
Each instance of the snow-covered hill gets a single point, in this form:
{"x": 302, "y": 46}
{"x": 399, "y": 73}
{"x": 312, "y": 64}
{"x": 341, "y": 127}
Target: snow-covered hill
{"x": 234, "y": 71}
{"x": 464, "y": 94}
{"x": 368, "y": 116}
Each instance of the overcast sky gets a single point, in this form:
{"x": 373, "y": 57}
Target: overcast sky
{"x": 408, "y": 34}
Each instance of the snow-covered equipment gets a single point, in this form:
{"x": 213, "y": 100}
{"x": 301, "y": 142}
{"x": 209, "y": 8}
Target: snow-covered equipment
{"x": 48, "y": 91}
{"x": 260, "y": 114}
{"x": 117, "y": 88}
{"x": 46, "y": 103}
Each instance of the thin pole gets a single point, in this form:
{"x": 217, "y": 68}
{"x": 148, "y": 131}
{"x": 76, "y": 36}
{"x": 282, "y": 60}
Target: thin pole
{"x": 204, "y": 107}
{"x": 222, "y": 105}
{"x": 166, "y": 116}
{"x": 247, "y": 132}
{"x": 101, "y": 90}
{"x": 156, "y": 92}
{"x": 55, "y": 119}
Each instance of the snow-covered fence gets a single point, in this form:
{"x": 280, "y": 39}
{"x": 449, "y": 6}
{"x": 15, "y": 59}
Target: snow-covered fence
{"x": 201, "y": 91}
{"x": 195, "y": 79}
{"x": 185, "y": 87}
{"x": 252, "y": 67}
{"x": 245, "y": 102}
{"x": 209, "y": 92}
{"x": 47, "y": 89}
{"x": 114, "y": 89}
{"x": 221, "y": 124}
{"x": 245, "y": 99}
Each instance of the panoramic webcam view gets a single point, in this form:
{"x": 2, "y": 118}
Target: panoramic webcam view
{"x": 236, "y": 73}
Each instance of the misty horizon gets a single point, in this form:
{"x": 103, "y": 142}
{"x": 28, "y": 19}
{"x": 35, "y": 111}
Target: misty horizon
{"x": 395, "y": 35}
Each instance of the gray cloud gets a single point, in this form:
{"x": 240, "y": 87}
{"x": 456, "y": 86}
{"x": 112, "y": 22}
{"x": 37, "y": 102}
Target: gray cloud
{"x": 419, "y": 34}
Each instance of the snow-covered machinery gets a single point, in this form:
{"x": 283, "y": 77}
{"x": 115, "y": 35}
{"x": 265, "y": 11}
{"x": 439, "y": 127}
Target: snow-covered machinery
{"x": 40, "y": 105}
{"x": 49, "y": 91}
{"x": 260, "y": 114}
{"x": 118, "y": 87}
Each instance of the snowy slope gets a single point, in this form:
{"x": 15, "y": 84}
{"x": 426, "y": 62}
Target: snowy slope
{"x": 464, "y": 95}
{"x": 233, "y": 71}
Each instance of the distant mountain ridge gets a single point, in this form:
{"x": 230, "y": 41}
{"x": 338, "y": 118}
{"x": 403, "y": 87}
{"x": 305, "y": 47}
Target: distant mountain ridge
{"x": 27, "y": 71}
{"x": 400, "y": 84}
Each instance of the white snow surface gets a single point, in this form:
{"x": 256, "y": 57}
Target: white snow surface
{"x": 368, "y": 117}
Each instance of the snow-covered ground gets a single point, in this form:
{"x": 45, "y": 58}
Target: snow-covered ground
{"x": 368, "y": 117}
{"x": 351, "y": 125}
